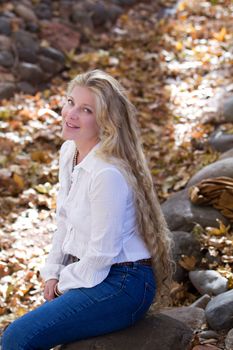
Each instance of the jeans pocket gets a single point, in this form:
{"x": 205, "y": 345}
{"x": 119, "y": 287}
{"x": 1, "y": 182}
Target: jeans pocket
{"x": 109, "y": 287}
{"x": 148, "y": 297}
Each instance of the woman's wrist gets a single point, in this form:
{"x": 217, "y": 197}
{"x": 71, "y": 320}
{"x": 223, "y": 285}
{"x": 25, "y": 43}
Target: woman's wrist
{"x": 56, "y": 290}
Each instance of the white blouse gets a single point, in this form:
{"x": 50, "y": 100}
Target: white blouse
{"x": 95, "y": 217}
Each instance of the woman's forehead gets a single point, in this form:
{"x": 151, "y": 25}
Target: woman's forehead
{"x": 83, "y": 94}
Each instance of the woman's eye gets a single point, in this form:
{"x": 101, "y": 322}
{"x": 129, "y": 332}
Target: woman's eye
{"x": 69, "y": 101}
{"x": 87, "y": 110}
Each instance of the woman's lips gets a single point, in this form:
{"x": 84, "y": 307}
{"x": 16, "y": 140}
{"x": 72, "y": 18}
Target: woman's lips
{"x": 72, "y": 126}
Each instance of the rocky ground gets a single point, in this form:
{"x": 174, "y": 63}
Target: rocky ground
{"x": 175, "y": 59}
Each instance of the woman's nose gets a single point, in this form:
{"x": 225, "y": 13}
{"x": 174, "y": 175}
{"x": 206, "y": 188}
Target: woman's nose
{"x": 73, "y": 113}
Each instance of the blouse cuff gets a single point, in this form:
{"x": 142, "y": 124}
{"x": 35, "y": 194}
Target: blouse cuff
{"x": 50, "y": 271}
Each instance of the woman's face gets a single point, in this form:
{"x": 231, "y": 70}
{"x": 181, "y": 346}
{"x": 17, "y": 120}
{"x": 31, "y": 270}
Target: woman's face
{"x": 79, "y": 116}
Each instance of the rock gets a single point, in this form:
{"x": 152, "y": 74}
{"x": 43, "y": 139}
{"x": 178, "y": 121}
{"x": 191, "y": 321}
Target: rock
{"x": 182, "y": 215}
{"x": 185, "y": 245}
{"x": 99, "y": 13}
{"x": 32, "y": 27}
{"x": 5, "y": 43}
{"x": 26, "y": 13}
{"x": 5, "y": 26}
{"x": 227, "y": 154}
{"x": 153, "y": 332}
{"x": 229, "y": 340}
{"x": 208, "y": 334}
{"x": 219, "y": 311}
{"x": 52, "y": 53}
{"x": 7, "y": 90}
{"x": 5, "y": 76}
{"x": 43, "y": 10}
{"x": 205, "y": 347}
{"x": 60, "y": 36}
{"x": 48, "y": 65}
{"x": 25, "y": 87}
{"x": 26, "y": 46}
{"x": 193, "y": 317}
{"x": 6, "y": 59}
{"x": 114, "y": 12}
{"x": 228, "y": 110}
{"x": 124, "y": 2}
{"x": 30, "y": 72}
{"x": 201, "y": 302}
{"x": 208, "y": 281}
{"x": 82, "y": 18}
{"x": 220, "y": 168}
{"x": 220, "y": 141}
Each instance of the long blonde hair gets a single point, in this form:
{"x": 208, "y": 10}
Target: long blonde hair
{"x": 120, "y": 144}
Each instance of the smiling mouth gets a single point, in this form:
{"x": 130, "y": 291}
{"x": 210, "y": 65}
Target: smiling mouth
{"x": 72, "y": 126}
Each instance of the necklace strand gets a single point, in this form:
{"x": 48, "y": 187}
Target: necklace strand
{"x": 75, "y": 158}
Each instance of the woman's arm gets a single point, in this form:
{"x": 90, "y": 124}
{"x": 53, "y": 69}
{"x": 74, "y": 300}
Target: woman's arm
{"x": 55, "y": 261}
{"x": 108, "y": 198}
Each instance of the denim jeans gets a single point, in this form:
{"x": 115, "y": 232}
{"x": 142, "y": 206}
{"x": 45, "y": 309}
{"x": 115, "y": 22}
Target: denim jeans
{"x": 119, "y": 301}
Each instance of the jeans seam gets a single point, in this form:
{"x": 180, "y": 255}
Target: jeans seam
{"x": 118, "y": 291}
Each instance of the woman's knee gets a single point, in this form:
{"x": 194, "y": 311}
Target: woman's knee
{"x": 13, "y": 336}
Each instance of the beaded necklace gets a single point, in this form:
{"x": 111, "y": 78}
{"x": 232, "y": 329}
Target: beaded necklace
{"x": 75, "y": 158}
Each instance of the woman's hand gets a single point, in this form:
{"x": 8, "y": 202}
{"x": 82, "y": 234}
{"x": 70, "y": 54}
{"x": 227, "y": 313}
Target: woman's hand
{"x": 49, "y": 289}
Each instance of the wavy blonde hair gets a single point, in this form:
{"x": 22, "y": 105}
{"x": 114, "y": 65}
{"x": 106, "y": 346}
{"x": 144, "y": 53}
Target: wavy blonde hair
{"x": 121, "y": 145}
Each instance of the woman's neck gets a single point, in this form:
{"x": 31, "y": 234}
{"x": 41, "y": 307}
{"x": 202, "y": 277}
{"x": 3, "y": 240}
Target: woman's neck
{"x": 83, "y": 150}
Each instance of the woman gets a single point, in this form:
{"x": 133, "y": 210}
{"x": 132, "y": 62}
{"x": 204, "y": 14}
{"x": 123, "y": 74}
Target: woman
{"x": 110, "y": 254}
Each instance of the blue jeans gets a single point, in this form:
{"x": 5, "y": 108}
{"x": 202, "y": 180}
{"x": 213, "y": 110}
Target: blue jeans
{"x": 120, "y": 300}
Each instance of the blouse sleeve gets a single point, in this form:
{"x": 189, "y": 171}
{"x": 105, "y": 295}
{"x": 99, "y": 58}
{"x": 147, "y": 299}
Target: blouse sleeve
{"x": 55, "y": 260}
{"x": 108, "y": 198}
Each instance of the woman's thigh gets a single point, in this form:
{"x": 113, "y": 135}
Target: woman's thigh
{"x": 116, "y": 303}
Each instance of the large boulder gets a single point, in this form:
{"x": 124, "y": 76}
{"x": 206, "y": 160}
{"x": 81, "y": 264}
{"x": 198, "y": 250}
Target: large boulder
{"x": 219, "y": 311}
{"x": 193, "y": 317}
{"x": 222, "y": 167}
{"x": 228, "y": 110}
{"x": 153, "y": 332}
{"x": 208, "y": 282}
{"x": 182, "y": 215}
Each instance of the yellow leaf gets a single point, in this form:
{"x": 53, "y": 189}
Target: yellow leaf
{"x": 19, "y": 180}
{"x": 222, "y": 230}
{"x": 221, "y": 35}
{"x": 179, "y": 46}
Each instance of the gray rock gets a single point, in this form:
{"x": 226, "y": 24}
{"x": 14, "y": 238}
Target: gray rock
{"x": 48, "y": 65}
{"x": 6, "y": 59}
{"x": 26, "y": 13}
{"x": 228, "y": 110}
{"x": 125, "y": 2}
{"x": 220, "y": 141}
{"x": 185, "y": 244}
{"x": 202, "y": 301}
{"x": 43, "y": 10}
{"x": 229, "y": 340}
{"x": 219, "y": 311}
{"x": 227, "y": 154}
{"x": 153, "y": 332}
{"x": 52, "y": 53}
{"x": 30, "y": 72}
{"x": 208, "y": 335}
{"x": 5, "y": 26}
{"x": 26, "y": 88}
{"x": 5, "y": 42}
{"x": 222, "y": 167}
{"x": 193, "y": 317}
{"x": 26, "y": 46}
{"x": 208, "y": 281}
{"x": 7, "y": 90}
{"x": 182, "y": 215}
